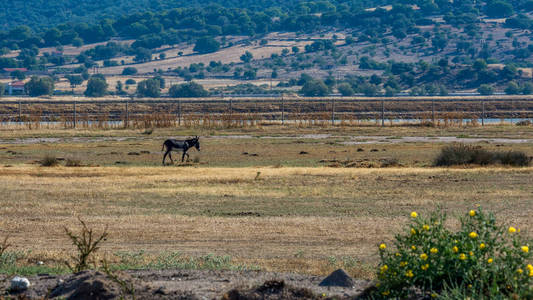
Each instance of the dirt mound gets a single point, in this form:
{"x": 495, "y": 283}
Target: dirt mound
{"x": 338, "y": 278}
{"x": 87, "y": 285}
{"x": 272, "y": 289}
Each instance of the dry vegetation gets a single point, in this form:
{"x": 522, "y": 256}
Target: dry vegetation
{"x": 297, "y": 216}
{"x": 275, "y": 207}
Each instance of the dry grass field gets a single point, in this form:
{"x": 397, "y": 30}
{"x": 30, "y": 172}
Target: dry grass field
{"x": 275, "y": 207}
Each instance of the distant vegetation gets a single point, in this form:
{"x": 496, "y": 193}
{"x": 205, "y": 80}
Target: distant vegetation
{"x": 462, "y": 53}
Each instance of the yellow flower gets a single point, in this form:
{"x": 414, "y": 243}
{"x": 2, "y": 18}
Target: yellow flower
{"x": 425, "y": 227}
{"x": 423, "y": 256}
{"x": 482, "y": 246}
{"x": 382, "y": 246}
{"x": 490, "y": 260}
{"x": 519, "y": 271}
{"x": 529, "y": 267}
{"x": 397, "y": 254}
{"x": 414, "y": 214}
{"x": 385, "y": 293}
{"x": 472, "y": 213}
{"x": 434, "y": 250}
{"x": 433, "y": 295}
{"x": 403, "y": 264}
{"x": 409, "y": 273}
{"x": 413, "y": 247}
{"x": 530, "y": 273}
{"x": 512, "y": 229}
{"x": 455, "y": 249}
{"x": 413, "y": 232}
{"x": 471, "y": 253}
{"x": 462, "y": 256}
{"x": 425, "y": 267}
{"x": 469, "y": 286}
{"x": 473, "y": 235}
{"x": 525, "y": 249}
{"x": 384, "y": 268}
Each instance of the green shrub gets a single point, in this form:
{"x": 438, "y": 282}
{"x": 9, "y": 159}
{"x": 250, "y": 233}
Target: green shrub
{"x": 482, "y": 259}
{"x": 49, "y": 161}
{"x": 461, "y": 154}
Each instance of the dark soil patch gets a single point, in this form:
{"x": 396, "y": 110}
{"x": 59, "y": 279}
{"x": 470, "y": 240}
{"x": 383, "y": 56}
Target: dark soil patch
{"x": 183, "y": 284}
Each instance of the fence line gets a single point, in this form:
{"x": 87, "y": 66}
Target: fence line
{"x": 233, "y": 110}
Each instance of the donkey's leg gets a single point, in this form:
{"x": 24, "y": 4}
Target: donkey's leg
{"x": 170, "y": 155}
{"x": 165, "y": 156}
{"x": 183, "y": 155}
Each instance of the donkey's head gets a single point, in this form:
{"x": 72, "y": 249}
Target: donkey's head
{"x": 196, "y": 142}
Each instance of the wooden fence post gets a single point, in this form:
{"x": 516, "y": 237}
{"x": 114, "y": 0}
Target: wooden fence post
{"x": 20, "y": 112}
{"x": 282, "y": 110}
{"x": 433, "y": 110}
{"x": 382, "y": 112}
{"x": 127, "y": 123}
{"x": 483, "y": 112}
{"x": 74, "y": 115}
{"x": 179, "y": 112}
{"x": 332, "y": 111}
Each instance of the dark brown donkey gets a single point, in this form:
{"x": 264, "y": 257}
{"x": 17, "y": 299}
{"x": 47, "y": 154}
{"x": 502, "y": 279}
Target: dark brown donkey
{"x": 183, "y": 145}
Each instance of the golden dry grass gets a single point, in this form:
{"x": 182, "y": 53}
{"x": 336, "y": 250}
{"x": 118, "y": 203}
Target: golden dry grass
{"x": 290, "y": 219}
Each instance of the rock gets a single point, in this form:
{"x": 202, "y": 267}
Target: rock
{"x": 304, "y": 152}
{"x": 39, "y": 263}
{"x": 19, "y": 284}
{"x": 338, "y": 278}
{"x": 360, "y": 149}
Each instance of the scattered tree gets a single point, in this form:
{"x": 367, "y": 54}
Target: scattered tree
{"x": 187, "y": 90}
{"x": 96, "y": 87}
{"x": 149, "y": 88}
{"x": 39, "y": 86}
{"x": 314, "y": 88}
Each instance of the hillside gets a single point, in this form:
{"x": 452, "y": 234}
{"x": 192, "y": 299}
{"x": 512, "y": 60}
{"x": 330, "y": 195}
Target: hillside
{"x": 368, "y": 47}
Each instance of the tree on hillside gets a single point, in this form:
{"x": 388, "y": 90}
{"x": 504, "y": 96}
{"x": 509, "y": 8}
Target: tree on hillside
{"x": 74, "y": 80}
{"x": 485, "y": 89}
{"x": 129, "y": 71}
{"x": 314, "y": 88}
{"x": 206, "y": 45}
{"x": 247, "y": 57}
{"x": 96, "y": 87}
{"x": 187, "y": 90}
{"x": 18, "y": 75}
{"x": 345, "y": 89}
{"x": 39, "y": 86}
{"x": 142, "y": 55}
{"x": 512, "y": 88}
{"x": 499, "y": 9}
{"x": 149, "y": 88}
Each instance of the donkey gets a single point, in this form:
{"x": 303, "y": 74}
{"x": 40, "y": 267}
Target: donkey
{"x": 184, "y": 145}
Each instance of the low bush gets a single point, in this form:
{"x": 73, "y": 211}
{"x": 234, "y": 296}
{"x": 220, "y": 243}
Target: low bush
{"x": 49, "y": 161}
{"x": 71, "y": 162}
{"x": 87, "y": 243}
{"x": 461, "y": 154}
{"x": 480, "y": 260}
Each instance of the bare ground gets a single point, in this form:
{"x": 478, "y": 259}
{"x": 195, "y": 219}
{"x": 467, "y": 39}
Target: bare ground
{"x": 183, "y": 284}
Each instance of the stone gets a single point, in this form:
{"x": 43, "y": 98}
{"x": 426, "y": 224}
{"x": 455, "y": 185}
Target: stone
{"x": 19, "y": 284}
{"x": 338, "y": 278}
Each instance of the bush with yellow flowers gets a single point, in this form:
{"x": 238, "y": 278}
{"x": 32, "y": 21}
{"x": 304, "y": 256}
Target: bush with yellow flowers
{"x": 482, "y": 259}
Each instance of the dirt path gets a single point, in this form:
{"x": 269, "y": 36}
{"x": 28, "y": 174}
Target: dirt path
{"x": 180, "y": 284}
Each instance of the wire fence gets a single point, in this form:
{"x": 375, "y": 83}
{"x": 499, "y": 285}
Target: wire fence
{"x": 233, "y": 112}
